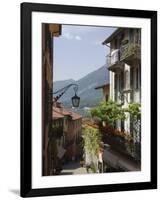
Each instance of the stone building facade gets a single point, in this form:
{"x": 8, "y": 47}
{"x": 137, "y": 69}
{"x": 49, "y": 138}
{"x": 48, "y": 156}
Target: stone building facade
{"x": 124, "y": 65}
{"x": 49, "y": 31}
{"x": 67, "y": 128}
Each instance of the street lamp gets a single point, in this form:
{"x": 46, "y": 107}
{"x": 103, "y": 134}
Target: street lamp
{"x": 75, "y": 99}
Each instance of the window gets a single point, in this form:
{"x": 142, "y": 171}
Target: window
{"x": 122, "y": 125}
{"x": 126, "y": 80}
{"x": 137, "y": 78}
{"x": 137, "y": 37}
{"x": 131, "y": 35}
{"x": 131, "y": 78}
{"x": 119, "y": 82}
{"x": 122, "y": 36}
{"x": 116, "y": 86}
{"x": 115, "y": 43}
{"x": 121, "y": 39}
{"x": 115, "y": 81}
{"x": 140, "y": 75}
{"x": 131, "y": 126}
{"x": 106, "y": 97}
{"x": 122, "y": 80}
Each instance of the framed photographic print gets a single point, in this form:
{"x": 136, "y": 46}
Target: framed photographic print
{"x": 88, "y": 99}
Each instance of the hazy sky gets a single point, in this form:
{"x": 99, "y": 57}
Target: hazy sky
{"x": 79, "y": 51}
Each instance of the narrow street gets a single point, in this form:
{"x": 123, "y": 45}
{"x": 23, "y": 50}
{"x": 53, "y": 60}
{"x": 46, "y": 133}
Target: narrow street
{"x": 102, "y": 126}
{"x": 73, "y": 168}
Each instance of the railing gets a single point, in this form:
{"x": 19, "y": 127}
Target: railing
{"x": 130, "y": 49}
{"x": 122, "y": 142}
{"x": 125, "y": 52}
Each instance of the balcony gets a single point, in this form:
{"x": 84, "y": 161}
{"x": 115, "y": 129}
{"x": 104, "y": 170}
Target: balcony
{"x": 113, "y": 57}
{"x": 130, "y": 52}
{"x": 113, "y": 60}
{"x": 127, "y": 53}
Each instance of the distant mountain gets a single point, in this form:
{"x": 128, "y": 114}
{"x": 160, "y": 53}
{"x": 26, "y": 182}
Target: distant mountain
{"x": 89, "y": 96}
{"x": 60, "y": 84}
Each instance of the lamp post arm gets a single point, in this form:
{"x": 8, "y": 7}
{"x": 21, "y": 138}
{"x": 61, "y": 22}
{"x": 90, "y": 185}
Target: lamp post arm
{"x": 64, "y": 89}
{"x": 108, "y": 46}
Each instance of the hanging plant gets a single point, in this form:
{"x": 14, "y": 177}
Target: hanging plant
{"x": 108, "y": 112}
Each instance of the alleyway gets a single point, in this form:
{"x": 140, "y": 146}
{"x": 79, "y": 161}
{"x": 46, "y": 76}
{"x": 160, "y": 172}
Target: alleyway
{"x": 73, "y": 168}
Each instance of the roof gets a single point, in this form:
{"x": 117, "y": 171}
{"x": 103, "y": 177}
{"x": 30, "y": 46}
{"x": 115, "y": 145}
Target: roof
{"x": 89, "y": 123}
{"x": 55, "y": 29}
{"x": 114, "y": 34}
{"x": 102, "y": 86}
{"x": 76, "y": 116}
{"x": 60, "y": 112}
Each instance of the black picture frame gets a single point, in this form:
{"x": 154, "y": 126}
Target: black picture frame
{"x": 26, "y": 103}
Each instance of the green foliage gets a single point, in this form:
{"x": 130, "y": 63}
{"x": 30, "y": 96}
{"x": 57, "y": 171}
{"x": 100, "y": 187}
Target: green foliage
{"x": 134, "y": 110}
{"x": 93, "y": 168}
{"x": 135, "y": 114}
{"x": 92, "y": 139}
{"x": 108, "y": 111}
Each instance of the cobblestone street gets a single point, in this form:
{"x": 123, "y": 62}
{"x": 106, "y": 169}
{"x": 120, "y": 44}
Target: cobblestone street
{"x": 73, "y": 168}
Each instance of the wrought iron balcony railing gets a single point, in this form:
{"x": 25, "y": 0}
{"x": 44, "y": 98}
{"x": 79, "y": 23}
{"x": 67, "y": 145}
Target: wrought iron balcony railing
{"x": 130, "y": 51}
{"x": 126, "y": 53}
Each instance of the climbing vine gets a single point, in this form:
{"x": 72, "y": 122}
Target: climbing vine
{"x": 92, "y": 139}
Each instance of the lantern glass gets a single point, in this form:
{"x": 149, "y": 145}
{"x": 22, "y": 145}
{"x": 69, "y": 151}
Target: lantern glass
{"x": 75, "y": 101}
